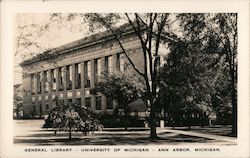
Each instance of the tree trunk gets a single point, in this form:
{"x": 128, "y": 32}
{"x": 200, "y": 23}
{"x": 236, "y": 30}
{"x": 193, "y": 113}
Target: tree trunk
{"x": 233, "y": 74}
{"x": 70, "y": 133}
{"x": 153, "y": 134}
{"x": 126, "y": 117}
{"x": 234, "y": 113}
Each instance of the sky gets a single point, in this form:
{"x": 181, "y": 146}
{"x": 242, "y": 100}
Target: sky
{"x": 27, "y": 28}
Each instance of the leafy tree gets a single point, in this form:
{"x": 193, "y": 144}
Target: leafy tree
{"x": 122, "y": 88}
{"x": 73, "y": 117}
{"x": 204, "y": 65}
{"x": 223, "y": 41}
{"x": 186, "y": 81}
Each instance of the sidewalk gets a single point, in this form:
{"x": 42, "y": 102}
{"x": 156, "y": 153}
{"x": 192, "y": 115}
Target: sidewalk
{"x": 30, "y": 133}
{"x": 199, "y": 134}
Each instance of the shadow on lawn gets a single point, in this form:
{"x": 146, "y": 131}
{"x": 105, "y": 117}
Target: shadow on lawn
{"x": 109, "y": 139}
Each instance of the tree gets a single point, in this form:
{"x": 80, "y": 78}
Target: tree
{"x": 209, "y": 43}
{"x": 72, "y": 117}
{"x": 150, "y": 29}
{"x": 222, "y": 27}
{"x": 122, "y": 89}
{"x": 186, "y": 80}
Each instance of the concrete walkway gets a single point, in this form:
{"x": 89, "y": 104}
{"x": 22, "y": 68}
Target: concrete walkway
{"x": 199, "y": 134}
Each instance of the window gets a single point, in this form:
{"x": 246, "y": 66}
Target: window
{"x": 39, "y": 83}
{"x": 32, "y": 84}
{"x": 108, "y": 66}
{"x": 60, "y": 74}
{"x": 88, "y": 102}
{"x": 40, "y": 108}
{"x": 53, "y": 76}
{"x": 69, "y": 77}
{"x": 47, "y": 106}
{"x": 97, "y": 69}
{"x": 78, "y": 76}
{"x": 118, "y": 62}
{"x": 87, "y": 72}
{"x": 109, "y": 103}
{"x": 46, "y": 81}
{"x": 98, "y": 103}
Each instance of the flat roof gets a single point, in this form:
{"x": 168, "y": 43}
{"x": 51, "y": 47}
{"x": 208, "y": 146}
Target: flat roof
{"x": 124, "y": 29}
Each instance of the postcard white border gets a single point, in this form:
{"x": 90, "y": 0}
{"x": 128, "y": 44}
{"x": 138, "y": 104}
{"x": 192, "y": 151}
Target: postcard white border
{"x": 9, "y": 8}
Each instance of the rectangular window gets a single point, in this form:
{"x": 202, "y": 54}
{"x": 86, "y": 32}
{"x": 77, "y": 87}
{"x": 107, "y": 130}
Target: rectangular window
{"x": 47, "y": 106}
{"x": 98, "y": 103}
{"x": 106, "y": 65}
{"x": 69, "y": 77}
{"x": 97, "y": 70}
{"x": 78, "y": 76}
{"x": 87, "y": 71}
{"x": 109, "y": 103}
{"x": 88, "y": 102}
{"x": 46, "y": 81}
{"x": 53, "y": 76}
{"x": 40, "y": 108}
{"x": 60, "y": 75}
{"x": 32, "y": 84}
{"x": 38, "y": 83}
{"x": 118, "y": 62}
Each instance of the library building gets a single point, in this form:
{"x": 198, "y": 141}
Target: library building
{"x": 69, "y": 72}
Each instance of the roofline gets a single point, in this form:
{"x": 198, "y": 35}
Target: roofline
{"x": 78, "y": 44}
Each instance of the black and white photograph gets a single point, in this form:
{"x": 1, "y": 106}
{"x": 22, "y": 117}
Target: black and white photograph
{"x": 123, "y": 82}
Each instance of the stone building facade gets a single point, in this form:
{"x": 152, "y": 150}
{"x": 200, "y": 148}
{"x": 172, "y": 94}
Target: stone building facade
{"x": 70, "y": 71}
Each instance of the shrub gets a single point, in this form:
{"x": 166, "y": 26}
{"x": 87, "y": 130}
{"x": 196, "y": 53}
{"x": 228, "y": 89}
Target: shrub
{"x": 72, "y": 117}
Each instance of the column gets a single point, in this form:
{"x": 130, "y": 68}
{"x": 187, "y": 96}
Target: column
{"x": 57, "y": 82}
{"x": 82, "y": 84}
{"x": 73, "y": 69}
{"x": 64, "y": 85}
{"x": 43, "y": 92}
{"x": 50, "y": 79}
{"x": 104, "y": 99}
{"x": 36, "y": 93}
{"x": 92, "y": 84}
